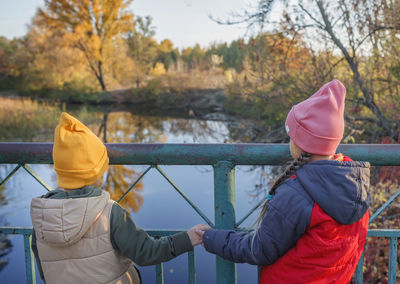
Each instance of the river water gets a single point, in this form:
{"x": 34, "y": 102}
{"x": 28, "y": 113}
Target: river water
{"x": 154, "y": 204}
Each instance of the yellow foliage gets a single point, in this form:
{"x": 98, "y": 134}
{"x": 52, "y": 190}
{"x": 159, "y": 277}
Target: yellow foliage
{"x": 92, "y": 27}
{"x": 159, "y": 69}
{"x": 166, "y": 46}
{"x": 229, "y": 75}
{"x": 49, "y": 63}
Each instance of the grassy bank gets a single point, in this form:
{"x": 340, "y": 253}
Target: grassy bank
{"x": 152, "y": 96}
{"x": 26, "y": 119}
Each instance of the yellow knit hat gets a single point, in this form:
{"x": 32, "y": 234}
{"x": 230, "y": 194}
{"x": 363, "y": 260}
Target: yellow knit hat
{"x": 80, "y": 158}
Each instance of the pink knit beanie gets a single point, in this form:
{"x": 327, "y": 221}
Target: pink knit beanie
{"x": 316, "y": 125}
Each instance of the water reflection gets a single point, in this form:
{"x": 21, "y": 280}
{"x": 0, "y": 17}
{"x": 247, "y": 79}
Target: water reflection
{"x": 5, "y": 249}
{"x": 5, "y": 243}
{"x": 123, "y": 127}
{"x": 117, "y": 182}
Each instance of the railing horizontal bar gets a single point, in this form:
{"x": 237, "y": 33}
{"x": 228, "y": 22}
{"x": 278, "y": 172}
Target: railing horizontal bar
{"x": 197, "y": 154}
{"x": 387, "y": 233}
{"x": 27, "y": 231}
{"x": 162, "y": 233}
{"x": 26, "y": 153}
{"x": 15, "y": 230}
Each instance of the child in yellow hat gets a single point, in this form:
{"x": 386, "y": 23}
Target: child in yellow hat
{"x": 81, "y": 235}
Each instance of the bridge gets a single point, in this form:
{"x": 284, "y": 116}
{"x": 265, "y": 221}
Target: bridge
{"x": 223, "y": 158}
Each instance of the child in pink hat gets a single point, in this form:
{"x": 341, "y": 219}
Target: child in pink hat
{"x": 313, "y": 228}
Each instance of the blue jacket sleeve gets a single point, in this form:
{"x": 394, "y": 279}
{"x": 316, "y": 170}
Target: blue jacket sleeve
{"x": 287, "y": 218}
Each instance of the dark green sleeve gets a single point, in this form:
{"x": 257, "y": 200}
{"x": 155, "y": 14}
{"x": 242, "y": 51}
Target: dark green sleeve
{"x": 133, "y": 242}
{"x": 36, "y": 253}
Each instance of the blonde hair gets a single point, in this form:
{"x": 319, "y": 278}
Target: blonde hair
{"x": 290, "y": 170}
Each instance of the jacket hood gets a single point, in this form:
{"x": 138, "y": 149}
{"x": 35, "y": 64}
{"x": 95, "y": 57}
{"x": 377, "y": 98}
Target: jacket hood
{"x": 339, "y": 188}
{"x": 62, "y": 222}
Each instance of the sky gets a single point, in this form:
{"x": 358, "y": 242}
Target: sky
{"x": 185, "y": 22}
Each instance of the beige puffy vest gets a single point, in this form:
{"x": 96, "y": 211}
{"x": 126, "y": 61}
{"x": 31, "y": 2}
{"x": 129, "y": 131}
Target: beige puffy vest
{"x": 73, "y": 241}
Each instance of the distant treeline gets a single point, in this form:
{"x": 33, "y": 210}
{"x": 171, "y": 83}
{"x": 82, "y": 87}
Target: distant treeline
{"x": 79, "y": 48}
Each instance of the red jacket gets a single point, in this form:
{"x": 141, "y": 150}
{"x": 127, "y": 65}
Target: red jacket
{"x": 314, "y": 228}
{"x": 328, "y": 252}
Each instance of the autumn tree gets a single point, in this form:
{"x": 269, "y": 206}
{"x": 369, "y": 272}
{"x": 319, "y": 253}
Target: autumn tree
{"x": 359, "y": 31}
{"x": 91, "y": 27}
{"x": 277, "y": 74}
{"x": 167, "y": 54}
{"x": 44, "y": 63}
{"x": 9, "y": 75}
{"x": 344, "y": 24}
{"x": 4, "y": 60}
{"x": 233, "y": 54}
{"x": 142, "y": 47}
{"x": 195, "y": 57}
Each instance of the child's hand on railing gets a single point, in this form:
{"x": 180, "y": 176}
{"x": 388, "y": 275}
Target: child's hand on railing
{"x": 196, "y": 233}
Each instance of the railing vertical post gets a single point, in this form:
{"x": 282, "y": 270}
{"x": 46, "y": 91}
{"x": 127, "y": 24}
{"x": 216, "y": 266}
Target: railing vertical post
{"x": 160, "y": 273}
{"x": 359, "y": 270}
{"x": 392, "y": 260}
{"x": 29, "y": 263}
{"x": 192, "y": 267}
{"x": 224, "y": 199}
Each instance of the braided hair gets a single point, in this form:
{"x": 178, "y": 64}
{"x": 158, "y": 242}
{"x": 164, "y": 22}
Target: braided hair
{"x": 290, "y": 170}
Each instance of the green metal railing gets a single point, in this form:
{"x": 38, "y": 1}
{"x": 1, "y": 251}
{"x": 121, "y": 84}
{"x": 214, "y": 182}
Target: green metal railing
{"x": 223, "y": 158}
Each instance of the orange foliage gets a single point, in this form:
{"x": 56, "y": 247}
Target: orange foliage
{"x": 90, "y": 26}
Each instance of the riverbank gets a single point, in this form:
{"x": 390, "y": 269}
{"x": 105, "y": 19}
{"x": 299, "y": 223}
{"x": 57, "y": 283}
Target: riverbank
{"x": 194, "y": 102}
{"x": 202, "y": 105}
